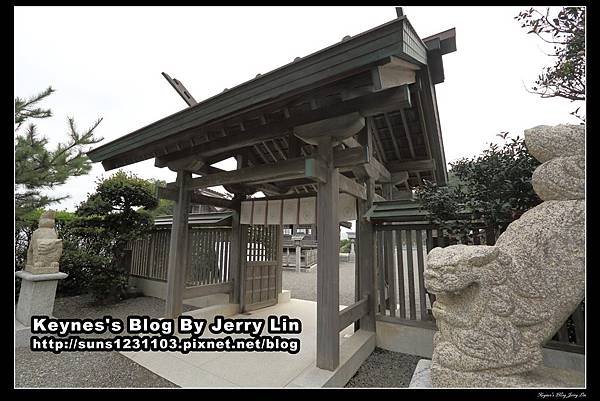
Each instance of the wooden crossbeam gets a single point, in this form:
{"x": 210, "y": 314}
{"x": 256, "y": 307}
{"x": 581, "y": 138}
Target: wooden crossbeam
{"x": 339, "y": 127}
{"x": 263, "y": 175}
{"x": 399, "y": 177}
{"x": 412, "y": 165}
{"x": 269, "y": 151}
{"x": 209, "y": 289}
{"x": 188, "y": 163}
{"x": 241, "y": 188}
{"x": 352, "y": 313}
{"x": 196, "y": 198}
{"x": 411, "y": 148}
{"x": 382, "y": 172}
{"x": 311, "y": 168}
{"x": 279, "y": 150}
{"x": 423, "y": 124}
{"x": 377, "y": 141}
{"x": 352, "y": 157}
{"x": 351, "y": 187}
{"x": 351, "y": 142}
{"x": 394, "y": 141}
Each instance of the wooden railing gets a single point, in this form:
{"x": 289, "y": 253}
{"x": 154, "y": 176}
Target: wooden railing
{"x": 401, "y": 252}
{"x": 209, "y": 256}
{"x": 308, "y": 257}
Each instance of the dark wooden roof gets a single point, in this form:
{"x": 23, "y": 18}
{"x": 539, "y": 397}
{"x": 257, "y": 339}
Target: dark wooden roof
{"x": 255, "y": 118}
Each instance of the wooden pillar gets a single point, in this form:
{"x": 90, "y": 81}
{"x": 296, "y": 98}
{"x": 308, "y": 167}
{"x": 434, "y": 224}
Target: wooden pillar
{"x": 365, "y": 237}
{"x": 237, "y": 252}
{"x": 328, "y": 273}
{"x": 298, "y": 256}
{"x": 235, "y": 264}
{"x": 279, "y": 280}
{"x": 366, "y": 258}
{"x": 178, "y": 249}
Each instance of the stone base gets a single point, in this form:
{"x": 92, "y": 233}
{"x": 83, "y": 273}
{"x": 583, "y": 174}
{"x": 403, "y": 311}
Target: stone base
{"x": 421, "y": 378}
{"x": 37, "y": 295}
{"x": 543, "y": 376}
{"x": 284, "y": 296}
{"x": 22, "y": 334}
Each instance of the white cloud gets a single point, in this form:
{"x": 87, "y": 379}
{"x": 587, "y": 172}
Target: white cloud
{"x": 106, "y": 61}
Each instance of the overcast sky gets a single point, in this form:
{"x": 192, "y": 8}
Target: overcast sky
{"x": 107, "y": 62}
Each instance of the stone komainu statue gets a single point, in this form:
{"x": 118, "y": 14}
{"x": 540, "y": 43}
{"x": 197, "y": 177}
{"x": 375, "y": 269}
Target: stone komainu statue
{"x": 497, "y": 305}
{"x": 45, "y": 248}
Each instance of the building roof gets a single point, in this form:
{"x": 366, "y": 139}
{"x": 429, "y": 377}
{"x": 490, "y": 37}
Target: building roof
{"x": 255, "y": 117}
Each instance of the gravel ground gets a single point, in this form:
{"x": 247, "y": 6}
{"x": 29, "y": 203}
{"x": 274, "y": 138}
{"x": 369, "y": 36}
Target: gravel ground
{"x": 89, "y": 369}
{"x": 303, "y": 284}
{"x": 81, "y": 369}
{"x": 385, "y": 369}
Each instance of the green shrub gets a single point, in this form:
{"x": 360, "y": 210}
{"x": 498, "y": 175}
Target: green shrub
{"x": 494, "y": 187}
{"x": 345, "y": 246}
{"x": 111, "y": 217}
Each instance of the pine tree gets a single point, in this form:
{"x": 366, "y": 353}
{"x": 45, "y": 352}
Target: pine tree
{"x": 566, "y": 33}
{"x": 36, "y": 166}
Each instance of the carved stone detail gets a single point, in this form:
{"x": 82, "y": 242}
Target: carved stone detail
{"x": 45, "y": 248}
{"x": 497, "y": 305}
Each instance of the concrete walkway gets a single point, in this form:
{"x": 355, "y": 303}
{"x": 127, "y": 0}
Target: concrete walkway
{"x": 250, "y": 369}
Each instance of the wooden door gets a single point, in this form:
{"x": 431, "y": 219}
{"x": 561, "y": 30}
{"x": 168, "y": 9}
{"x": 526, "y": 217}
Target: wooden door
{"x": 261, "y": 266}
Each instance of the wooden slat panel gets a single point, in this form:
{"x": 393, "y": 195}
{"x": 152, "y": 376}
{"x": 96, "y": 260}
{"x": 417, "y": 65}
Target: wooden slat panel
{"x": 202, "y": 257}
{"x": 151, "y": 255}
{"x": 563, "y": 333}
{"x": 221, "y": 257}
{"x": 279, "y": 268}
{"x": 264, "y": 283}
{"x": 152, "y": 267}
{"x": 562, "y": 346}
{"x": 199, "y": 263}
{"x": 427, "y": 324}
{"x": 205, "y": 258}
{"x": 252, "y": 231}
{"x": 381, "y": 273}
{"x": 227, "y": 245}
{"x": 191, "y": 271}
{"x": 166, "y": 238}
{"x": 389, "y": 264}
{"x": 400, "y": 261}
{"x": 579, "y": 321}
{"x": 411, "y": 275}
{"x": 215, "y": 257}
{"x": 429, "y": 239}
{"x": 421, "y": 269}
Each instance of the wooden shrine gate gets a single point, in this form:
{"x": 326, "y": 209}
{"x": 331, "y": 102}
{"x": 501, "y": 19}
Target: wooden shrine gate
{"x": 260, "y": 266}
